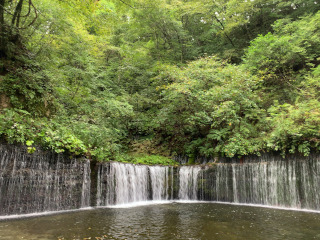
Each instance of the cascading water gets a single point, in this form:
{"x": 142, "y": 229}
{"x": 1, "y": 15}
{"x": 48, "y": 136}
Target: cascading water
{"x": 41, "y": 182}
{"x": 120, "y": 183}
{"x": 49, "y": 182}
{"x": 159, "y": 182}
{"x": 86, "y": 185}
{"x": 283, "y": 183}
{"x": 188, "y": 178}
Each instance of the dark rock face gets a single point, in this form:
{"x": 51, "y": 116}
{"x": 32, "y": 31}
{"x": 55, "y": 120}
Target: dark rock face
{"x": 42, "y": 181}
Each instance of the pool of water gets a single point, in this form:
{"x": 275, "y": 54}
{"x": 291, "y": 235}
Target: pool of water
{"x": 168, "y": 221}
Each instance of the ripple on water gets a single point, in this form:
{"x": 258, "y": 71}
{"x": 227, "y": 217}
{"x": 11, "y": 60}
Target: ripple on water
{"x": 168, "y": 221}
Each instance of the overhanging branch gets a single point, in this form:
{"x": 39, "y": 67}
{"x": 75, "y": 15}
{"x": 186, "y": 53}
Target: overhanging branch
{"x": 127, "y": 4}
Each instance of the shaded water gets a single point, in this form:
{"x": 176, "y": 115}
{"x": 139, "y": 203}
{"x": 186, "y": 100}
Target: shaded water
{"x": 169, "y": 221}
{"x": 289, "y": 183}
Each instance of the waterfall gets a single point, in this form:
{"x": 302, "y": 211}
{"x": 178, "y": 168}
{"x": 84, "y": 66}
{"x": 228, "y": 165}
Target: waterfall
{"x": 122, "y": 183}
{"x": 188, "y": 178}
{"x": 41, "y": 182}
{"x": 119, "y": 183}
{"x": 44, "y": 181}
{"x": 273, "y": 183}
{"x": 159, "y": 182}
{"x": 290, "y": 183}
{"x": 221, "y": 185}
{"x": 283, "y": 183}
{"x": 86, "y": 185}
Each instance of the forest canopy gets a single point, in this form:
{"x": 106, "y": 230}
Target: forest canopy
{"x": 121, "y": 79}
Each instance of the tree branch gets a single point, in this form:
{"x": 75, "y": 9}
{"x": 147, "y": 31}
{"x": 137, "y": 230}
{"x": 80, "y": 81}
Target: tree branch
{"x": 222, "y": 28}
{"x": 35, "y": 18}
{"x": 127, "y": 4}
{"x": 16, "y": 15}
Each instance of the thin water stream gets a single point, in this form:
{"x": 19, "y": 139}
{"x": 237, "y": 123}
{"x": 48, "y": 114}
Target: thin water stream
{"x": 41, "y": 182}
{"x": 169, "y": 221}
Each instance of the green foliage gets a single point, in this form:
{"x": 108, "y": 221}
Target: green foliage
{"x": 28, "y": 90}
{"x": 111, "y": 79}
{"x": 17, "y": 126}
{"x": 210, "y": 108}
{"x": 153, "y": 160}
{"x": 282, "y": 57}
{"x": 296, "y": 127}
{"x": 30, "y": 148}
{"x": 273, "y": 57}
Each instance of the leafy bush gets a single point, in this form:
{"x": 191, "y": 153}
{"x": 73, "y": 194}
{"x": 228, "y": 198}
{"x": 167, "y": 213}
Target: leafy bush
{"x": 153, "y": 160}
{"x": 296, "y": 127}
{"x": 282, "y": 58}
{"x": 17, "y": 126}
{"x": 210, "y": 108}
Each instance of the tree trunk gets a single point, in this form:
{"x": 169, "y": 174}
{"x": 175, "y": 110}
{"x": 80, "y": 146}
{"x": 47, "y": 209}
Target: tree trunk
{"x": 3, "y": 41}
{"x": 17, "y": 13}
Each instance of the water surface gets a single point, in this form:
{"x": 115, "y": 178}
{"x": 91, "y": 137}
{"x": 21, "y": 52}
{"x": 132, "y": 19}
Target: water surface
{"x": 168, "y": 221}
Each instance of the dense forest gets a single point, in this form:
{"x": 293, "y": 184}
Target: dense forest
{"x": 125, "y": 79}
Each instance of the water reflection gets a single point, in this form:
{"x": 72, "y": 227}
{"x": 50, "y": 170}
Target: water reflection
{"x": 168, "y": 221}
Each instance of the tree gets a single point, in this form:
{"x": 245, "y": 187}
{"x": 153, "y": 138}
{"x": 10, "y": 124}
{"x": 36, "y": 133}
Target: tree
{"x": 210, "y": 108}
{"x": 14, "y": 16}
